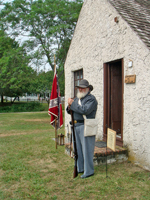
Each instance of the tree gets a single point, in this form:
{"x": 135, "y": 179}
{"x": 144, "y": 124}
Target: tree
{"x": 45, "y": 80}
{"x": 15, "y": 74}
{"x": 47, "y": 24}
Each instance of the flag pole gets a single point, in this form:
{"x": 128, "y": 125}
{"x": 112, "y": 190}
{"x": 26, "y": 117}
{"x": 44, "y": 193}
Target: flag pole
{"x": 55, "y": 133}
{"x": 55, "y": 117}
{"x": 55, "y": 106}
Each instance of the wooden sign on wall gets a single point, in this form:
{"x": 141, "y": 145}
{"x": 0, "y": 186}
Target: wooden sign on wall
{"x": 111, "y": 139}
{"x": 130, "y": 78}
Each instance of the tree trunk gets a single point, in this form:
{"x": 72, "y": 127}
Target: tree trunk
{"x": 2, "y": 98}
{"x": 14, "y": 100}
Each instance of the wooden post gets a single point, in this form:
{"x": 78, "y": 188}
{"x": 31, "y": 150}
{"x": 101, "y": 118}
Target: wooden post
{"x": 54, "y": 64}
{"x": 55, "y": 132}
{"x": 55, "y": 117}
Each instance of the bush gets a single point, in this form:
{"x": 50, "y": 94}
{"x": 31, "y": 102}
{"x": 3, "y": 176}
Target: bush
{"x": 22, "y": 107}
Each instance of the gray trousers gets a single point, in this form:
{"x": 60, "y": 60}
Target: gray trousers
{"x": 85, "y": 150}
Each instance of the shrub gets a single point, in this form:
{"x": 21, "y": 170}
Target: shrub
{"x": 22, "y": 107}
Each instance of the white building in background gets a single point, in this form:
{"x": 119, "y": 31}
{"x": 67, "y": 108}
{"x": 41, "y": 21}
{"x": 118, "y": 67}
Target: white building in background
{"x": 111, "y": 49}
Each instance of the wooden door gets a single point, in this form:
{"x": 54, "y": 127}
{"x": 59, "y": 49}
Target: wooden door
{"x": 113, "y": 99}
{"x": 115, "y": 96}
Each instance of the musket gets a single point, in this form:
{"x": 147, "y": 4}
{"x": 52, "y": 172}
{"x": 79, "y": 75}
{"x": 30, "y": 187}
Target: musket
{"x": 75, "y": 173}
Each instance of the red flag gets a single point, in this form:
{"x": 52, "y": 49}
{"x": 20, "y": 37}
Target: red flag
{"x": 55, "y": 106}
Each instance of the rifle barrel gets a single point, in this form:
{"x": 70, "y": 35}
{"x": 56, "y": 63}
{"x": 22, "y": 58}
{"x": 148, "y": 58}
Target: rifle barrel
{"x": 75, "y": 173}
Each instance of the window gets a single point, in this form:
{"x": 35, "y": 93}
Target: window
{"x": 78, "y": 75}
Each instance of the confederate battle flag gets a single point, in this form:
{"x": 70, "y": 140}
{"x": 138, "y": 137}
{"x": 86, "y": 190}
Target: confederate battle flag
{"x": 55, "y": 106}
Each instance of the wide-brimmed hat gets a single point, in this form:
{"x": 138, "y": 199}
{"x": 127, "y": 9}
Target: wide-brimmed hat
{"x": 84, "y": 84}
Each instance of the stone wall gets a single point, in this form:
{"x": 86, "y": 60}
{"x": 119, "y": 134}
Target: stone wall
{"x": 99, "y": 39}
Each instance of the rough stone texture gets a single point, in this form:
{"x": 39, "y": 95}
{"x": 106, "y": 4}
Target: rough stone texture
{"x": 97, "y": 40}
{"x": 110, "y": 159}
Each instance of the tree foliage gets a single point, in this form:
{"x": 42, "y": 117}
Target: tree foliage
{"x": 46, "y": 25}
{"x": 45, "y": 81}
{"x": 15, "y": 74}
{"x": 45, "y": 28}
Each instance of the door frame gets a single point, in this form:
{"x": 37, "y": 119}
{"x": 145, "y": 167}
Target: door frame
{"x": 119, "y": 141}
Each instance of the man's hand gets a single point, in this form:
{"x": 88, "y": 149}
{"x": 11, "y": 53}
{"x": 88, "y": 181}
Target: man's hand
{"x": 70, "y": 101}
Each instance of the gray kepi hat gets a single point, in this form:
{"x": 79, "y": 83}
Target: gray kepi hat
{"x": 84, "y": 84}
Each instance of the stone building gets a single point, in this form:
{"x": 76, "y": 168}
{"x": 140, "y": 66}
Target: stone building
{"x": 111, "y": 48}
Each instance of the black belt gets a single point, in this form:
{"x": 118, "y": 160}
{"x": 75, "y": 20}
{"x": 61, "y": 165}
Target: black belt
{"x": 78, "y": 121}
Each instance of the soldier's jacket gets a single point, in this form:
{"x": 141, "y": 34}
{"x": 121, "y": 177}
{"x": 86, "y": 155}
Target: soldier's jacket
{"x": 88, "y": 107}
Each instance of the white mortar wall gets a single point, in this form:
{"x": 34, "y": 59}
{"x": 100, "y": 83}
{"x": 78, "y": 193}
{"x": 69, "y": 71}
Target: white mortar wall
{"x": 97, "y": 40}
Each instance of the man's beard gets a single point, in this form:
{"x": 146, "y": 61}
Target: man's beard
{"x": 80, "y": 95}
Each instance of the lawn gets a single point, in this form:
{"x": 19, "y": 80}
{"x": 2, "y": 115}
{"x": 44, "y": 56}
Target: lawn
{"x": 31, "y": 167}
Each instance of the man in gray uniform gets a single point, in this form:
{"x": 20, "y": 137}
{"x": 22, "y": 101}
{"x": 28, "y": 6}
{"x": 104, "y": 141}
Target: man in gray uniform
{"x": 84, "y": 104}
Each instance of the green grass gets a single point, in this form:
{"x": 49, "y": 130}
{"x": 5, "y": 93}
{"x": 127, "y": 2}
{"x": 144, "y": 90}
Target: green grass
{"x": 31, "y": 167}
{"x": 7, "y": 107}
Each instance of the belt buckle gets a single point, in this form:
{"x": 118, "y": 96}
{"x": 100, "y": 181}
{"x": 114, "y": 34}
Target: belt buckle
{"x": 75, "y": 121}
